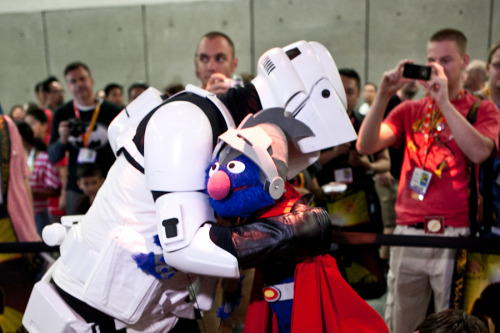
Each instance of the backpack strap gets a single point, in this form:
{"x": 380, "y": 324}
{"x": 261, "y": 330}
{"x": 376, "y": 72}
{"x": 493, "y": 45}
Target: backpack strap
{"x": 487, "y": 167}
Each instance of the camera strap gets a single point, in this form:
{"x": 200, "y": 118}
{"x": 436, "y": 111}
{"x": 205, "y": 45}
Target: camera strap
{"x": 93, "y": 120}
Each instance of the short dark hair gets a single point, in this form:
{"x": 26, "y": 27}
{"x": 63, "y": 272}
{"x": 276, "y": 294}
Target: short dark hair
{"x": 369, "y": 83}
{"x": 26, "y": 132}
{"x": 215, "y": 34}
{"x": 39, "y": 86}
{"x": 46, "y": 83}
{"x": 111, "y": 86}
{"x": 74, "y": 65}
{"x": 88, "y": 170}
{"x": 15, "y": 106}
{"x": 134, "y": 85}
{"x": 451, "y": 321}
{"x": 38, "y": 114}
{"x": 451, "y": 34}
{"x": 27, "y": 135}
{"x": 173, "y": 89}
{"x": 351, "y": 73}
{"x": 492, "y": 50}
{"x": 487, "y": 304}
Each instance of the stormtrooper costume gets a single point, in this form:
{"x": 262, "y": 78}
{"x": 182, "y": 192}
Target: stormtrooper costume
{"x": 156, "y": 187}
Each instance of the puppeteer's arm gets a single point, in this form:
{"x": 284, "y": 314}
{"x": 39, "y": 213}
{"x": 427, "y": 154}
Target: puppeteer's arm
{"x": 305, "y": 231}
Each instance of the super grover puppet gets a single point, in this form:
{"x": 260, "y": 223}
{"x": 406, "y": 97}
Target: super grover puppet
{"x": 157, "y": 187}
{"x": 291, "y": 293}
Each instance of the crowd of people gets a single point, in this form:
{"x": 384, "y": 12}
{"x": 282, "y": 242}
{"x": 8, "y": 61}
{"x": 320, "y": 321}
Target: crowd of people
{"x": 411, "y": 155}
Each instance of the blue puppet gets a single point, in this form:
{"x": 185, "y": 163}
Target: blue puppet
{"x": 247, "y": 178}
{"x": 249, "y": 185}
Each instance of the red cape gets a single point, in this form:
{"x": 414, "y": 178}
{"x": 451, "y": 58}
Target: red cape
{"x": 323, "y": 300}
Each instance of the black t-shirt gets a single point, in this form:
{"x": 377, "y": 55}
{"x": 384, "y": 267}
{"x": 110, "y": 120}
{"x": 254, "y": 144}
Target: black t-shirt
{"x": 326, "y": 174}
{"x": 98, "y": 140}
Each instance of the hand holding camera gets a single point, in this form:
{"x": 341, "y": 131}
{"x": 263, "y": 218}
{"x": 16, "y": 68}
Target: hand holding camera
{"x": 71, "y": 127}
{"x": 418, "y": 72}
{"x": 76, "y": 127}
{"x": 220, "y": 84}
{"x": 437, "y": 86}
{"x": 431, "y": 77}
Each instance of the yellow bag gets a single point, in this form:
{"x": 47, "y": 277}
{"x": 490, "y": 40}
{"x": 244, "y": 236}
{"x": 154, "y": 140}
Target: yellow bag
{"x": 349, "y": 209}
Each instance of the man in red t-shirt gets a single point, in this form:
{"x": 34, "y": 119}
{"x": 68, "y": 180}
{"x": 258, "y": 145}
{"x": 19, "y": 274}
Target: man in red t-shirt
{"x": 433, "y": 190}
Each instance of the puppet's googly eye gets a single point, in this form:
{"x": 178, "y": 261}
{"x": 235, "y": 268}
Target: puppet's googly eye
{"x": 236, "y": 167}
{"x": 213, "y": 169}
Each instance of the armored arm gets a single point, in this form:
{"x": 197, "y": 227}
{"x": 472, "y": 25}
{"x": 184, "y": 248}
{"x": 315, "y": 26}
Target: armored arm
{"x": 178, "y": 146}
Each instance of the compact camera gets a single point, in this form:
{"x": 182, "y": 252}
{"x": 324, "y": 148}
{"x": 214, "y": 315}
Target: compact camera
{"x": 418, "y": 72}
{"x": 234, "y": 81}
{"x": 76, "y": 126}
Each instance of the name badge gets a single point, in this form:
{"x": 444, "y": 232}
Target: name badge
{"x": 86, "y": 155}
{"x": 420, "y": 181}
{"x": 343, "y": 175}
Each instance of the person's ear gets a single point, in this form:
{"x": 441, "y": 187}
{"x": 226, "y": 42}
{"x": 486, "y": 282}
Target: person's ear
{"x": 235, "y": 63}
{"x": 466, "y": 60}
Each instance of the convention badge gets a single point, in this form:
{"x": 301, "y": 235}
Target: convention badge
{"x": 420, "y": 181}
{"x": 343, "y": 175}
{"x": 86, "y": 155}
{"x": 434, "y": 224}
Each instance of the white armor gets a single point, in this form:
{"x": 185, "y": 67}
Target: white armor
{"x": 167, "y": 196}
{"x": 303, "y": 79}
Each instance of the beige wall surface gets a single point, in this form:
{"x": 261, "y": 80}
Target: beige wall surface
{"x": 154, "y": 41}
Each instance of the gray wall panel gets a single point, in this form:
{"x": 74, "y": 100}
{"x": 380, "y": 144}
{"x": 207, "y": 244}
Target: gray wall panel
{"x": 400, "y": 30}
{"x": 156, "y": 41}
{"x": 22, "y": 57}
{"x": 339, "y": 25}
{"x": 108, "y": 40}
{"x": 495, "y": 25}
{"x": 173, "y": 32}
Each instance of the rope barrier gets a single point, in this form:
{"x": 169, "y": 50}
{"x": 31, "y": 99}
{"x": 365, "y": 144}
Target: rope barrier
{"x": 476, "y": 244}
{"x": 26, "y": 247}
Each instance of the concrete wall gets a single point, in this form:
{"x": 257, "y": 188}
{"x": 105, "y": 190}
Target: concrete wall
{"x": 154, "y": 41}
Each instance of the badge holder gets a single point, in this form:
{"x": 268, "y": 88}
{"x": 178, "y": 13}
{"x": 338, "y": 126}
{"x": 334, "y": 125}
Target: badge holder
{"x": 419, "y": 183}
{"x": 343, "y": 175}
{"x": 86, "y": 155}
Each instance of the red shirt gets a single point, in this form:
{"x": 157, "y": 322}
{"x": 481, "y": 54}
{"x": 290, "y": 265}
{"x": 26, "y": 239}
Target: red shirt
{"x": 447, "y": 194}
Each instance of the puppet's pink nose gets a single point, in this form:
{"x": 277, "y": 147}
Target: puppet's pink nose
{"x": 219, "y": 185}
